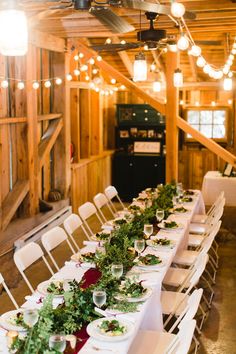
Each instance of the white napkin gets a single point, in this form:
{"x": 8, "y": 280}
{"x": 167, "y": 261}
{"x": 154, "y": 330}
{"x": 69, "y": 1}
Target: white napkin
{"x": 78, "y": 265}
{"x": 91, "y": 243}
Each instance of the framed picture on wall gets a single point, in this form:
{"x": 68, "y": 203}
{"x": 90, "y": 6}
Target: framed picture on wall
{"x": 227, "y": 170}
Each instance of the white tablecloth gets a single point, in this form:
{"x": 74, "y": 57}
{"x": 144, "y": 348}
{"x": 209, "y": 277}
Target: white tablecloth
{"x": 214, "y": 183}
{"x": 149, "y": 316}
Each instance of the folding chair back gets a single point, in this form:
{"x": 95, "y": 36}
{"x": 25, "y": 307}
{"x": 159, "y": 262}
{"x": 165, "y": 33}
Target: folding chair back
{"x": 73, "y": 223}
{"x": 111, "y": 193}
{"x": 100, "y": 200}
{"x": 26, "y": 256}
{"x": 52, "y": 239}
{"x": 2, "y": 282}
{"x": 185, "y": 336}
{"x": 86, "y": 211}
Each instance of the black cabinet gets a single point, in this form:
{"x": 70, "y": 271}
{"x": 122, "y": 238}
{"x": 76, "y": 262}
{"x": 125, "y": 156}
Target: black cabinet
{"x": 133, "y": 173}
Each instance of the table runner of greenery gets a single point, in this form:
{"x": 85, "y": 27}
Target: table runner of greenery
{"x": 78, "y": 308}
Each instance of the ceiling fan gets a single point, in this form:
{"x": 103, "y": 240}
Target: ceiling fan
{"x": 150, "y": 39}
{"x": 102, "y": 11}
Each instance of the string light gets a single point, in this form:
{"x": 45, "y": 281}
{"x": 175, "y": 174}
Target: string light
{"x": 47, "y": 84}
{"x": 183, "y": 42}
{"x": 177, "y": 9}
{"x": 181, "y": 102}
{"x": 230, "y": 101}
{"x": 95, "y": 71}
{"x": 81, "y": 55}
{"x": 58, "y": 81}
{"x": 69, "y": 77}
{"x": 76, "y": 57}
{"x": 113, "y": 81}
{"x": 213, "y": 103}
{"x": 35, "y": 85}
{"x": 156, "y": 86}
{"x": 21, "y": 85}
{"x": 4, "y": 84}
{"x": 87, "y": 78}
{"x": 195, "y": 51}
{"x": 76, "y": 72}
{"x": 99, "y": 58}
{"x": 197, "y": 104}
{"x": 201, "y": 62}
{"x": 108, "y": 41}
{"x": 91, "y": 61}
{"x": 84, "y": 67}
{"x": 228, "y": 84}
{"x": 122, "y": 87}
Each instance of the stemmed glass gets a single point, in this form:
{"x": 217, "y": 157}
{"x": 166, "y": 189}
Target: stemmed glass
{"x": 148, "y": 230}
{"x": 99, "y": 297}
{"x": 160, "y": 214}
{"x": 117, "y": 270}
{"x": 30, "y": 317}
{"x": 57, "y": 342}
{"x": 179, "y": 189}
{"x": 139, "y": 246}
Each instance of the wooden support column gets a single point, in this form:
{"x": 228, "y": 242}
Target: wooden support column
{"x": 32, "y": 120}
{"x": 171, "y": 119}
{"x": 61, "y": 103}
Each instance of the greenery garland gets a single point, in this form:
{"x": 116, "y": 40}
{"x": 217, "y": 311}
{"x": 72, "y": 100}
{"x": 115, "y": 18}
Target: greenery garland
{"x": 78, "y": 308}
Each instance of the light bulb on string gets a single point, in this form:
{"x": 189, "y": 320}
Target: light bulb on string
{"x": 195, "y": 51}
{"x": 95, "y": 71}
{"x": 108, "y": 41}
{"x": 122, "y": 87}
{"x": 213, "y": 103}
{"x": 111, "y": 92}
{"x": 81, "y": 55}
{"x": 153, "y": 67}
{"x": 69, "y": 77}
{"x": 226, "y": 69}
{"x": 84, "y": 67}
{"x": 145, "y": 47}
{"x": 115, "y": 89}
{"x": 123, "y": 42}
{"x": 92, "y": 85}
{"x": 177, "y": 9}
{"x": 230, "y": 74}
{"x": 233, "y": 51}
{"x": 156, "y": 86}
{"x": 200, "y": 62}
{"x": 206, "y": 68}
{"x": 76, "y": 57}
{"x": 231, "y": 57}
{"x": 183, "y": 42}
{"x": 172, "y": 47}
{"x": 97, "y": 89}
{"x": 58, "y": 81}
{"x": 228, "y": 84}
{"x": 230, "y": 101}
{"x": 197, "y": 103}
{"x": 76, "y": 72}
{"x": 113, "y": 81}
{"x": 35, "y": 85}
{"x": 229, "y": 62}
{"x": 87, "y": 78}
{"x": 47, "y": 84}
{"x": 4, "y": 84}
{"x": 21, "y": 85}
{"x": 181, "y": 102}
{"x": 99, "y": 58}
{"x": 91, "y": 61}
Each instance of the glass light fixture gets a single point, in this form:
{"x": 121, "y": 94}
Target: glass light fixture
{"x": 201, "y": 62}
{"x": 228, "y": 84}
{"x": 178, "y": 78}
{"x": 183, "y": 42}
{"x": 140, "y": 68}
{"x": 177, "y": 9}
{"x": 13, "y": 31}
{"x": 172, "y": 47}
{"x": 156, "y": 86}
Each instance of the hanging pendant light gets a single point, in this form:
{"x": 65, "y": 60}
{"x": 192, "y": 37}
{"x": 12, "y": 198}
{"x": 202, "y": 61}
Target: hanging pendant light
{"x": 228, "y": 84}
{"x": 13, "y": 30}
{"x": 140, "y": 68}
{"x": 178, "y": 78}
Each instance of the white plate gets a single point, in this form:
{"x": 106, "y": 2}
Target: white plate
{"x": 42, "y": 287}
{"x": 145, "y": 296}
{"x": 179, "y": 212}
{"x": 94, "y": 331}
{"x": 5, "y": 321}
{"x": 161, "y": 225}
{"x": 160, "y": 247}
{"x": 151, "y": 266}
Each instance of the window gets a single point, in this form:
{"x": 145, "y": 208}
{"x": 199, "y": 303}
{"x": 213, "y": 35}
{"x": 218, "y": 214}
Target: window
{"x": 210, "y": 122}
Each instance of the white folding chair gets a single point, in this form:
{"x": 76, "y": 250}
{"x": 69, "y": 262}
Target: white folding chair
{"x": 86, "y": 211}
{"x": 202, "y": 219}
{"x": 112, "y": 193}
{"x": 153, "y": 342}
{"x": 72, "y": 224}
{"x": 52, "y": 239}
{"x": 2, "y": 282}
{"x": 101, "y": 202}
{"x": 26, "y": 256}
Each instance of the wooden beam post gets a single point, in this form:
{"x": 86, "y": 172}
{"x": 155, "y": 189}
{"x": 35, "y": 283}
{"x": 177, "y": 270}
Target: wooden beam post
{"x": 171, "y": 119}
{"x": 32, "y": 120}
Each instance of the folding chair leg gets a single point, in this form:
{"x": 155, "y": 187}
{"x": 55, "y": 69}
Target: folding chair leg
{"x": 197, "y": 344}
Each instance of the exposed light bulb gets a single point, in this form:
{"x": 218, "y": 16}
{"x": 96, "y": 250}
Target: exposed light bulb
{"x": 177, "y": 9}
{"x": 183, "y": 43}
{"x": 81, "y": 55}
{"x": 197, "y": 104}
{"x": 230, "y": 101}
{"x": 68, "y": 77}
{"x": 156, "y": 86}
{"x": 140, "y": 68}
{"x": 47, "y": 84}
{"x": 76, "y": 72}
{"x": 91, "y": 61}
{"x": 181, "y": 102}
{"x": 76, "y": 57}
{"x": 206, "y": 68}
{"x": 152, "y": 67}
{"x": 231, "y": 57}
{"x": 122, "y": 87}
{"x": 115, "y": 89}
{"x": 108, "y": 41}
{"x": 172, "y": 47}
{"x": 233, "y": 51}
{"x": 178, "y": 78}
{"x": 211, "y": 73}
{"x": 92, "y": 85}
{"x": 97, "y": 89}
{"x": 113, "y": 81}
{"x": 230, "y": 74}
{"x": 229, "y": 62}
{"x": 21, "y": 85}
{"x": 87, "y": 78}
{"x": 84, "y": 67}
{"x": 195, "y": 51}
{"x": 106, "y": 93}
{"x": 111, "y": 92}
{"x": 213, "y": 103}
{"x": 58, "y": 81}
{"x": 201, "y": 62}
{"x": 123, "y": 42}
{"x": 95, "y": 71}
{"x": 226, "y": 69}
{"x": 145, "y": 47}
{"x": 4, "y": 84}
{"x": 35, "y": 85}
{"x": 99, "y": 58}
{"x": 102, "y": 92}
{"x": 228, "y": 84}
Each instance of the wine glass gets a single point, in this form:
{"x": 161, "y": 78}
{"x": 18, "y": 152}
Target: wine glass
{"x": 179, "y": 189}
{"x": 100, "y": 251}
{"x": 148, "y": 230}
{"x": 139, "y": 246}
{"x": 30, "y": 317}
{"x": 99, "y": 297}
{"x": 117, "y": 270}
{"x": 57, "y": 342}
{"x": 160, "y": 214}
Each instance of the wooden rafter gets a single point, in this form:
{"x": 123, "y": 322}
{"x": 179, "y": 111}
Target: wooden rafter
{"x": 48, "y": 140}
{"x": 124, "y": 57}
{"x": 193, "y": 67}
{"x": 47, "y": 41}
{"x": 13, "y": 200}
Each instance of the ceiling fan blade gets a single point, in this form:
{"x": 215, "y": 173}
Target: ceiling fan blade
{"x": 61, "y": 7}
{"x": 116, "y": 47}
{"x": 152, "y": 7}
{"x": 108, "y": 18}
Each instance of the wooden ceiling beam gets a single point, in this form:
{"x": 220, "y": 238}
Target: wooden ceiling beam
{"x": 47, "y": 41}
{"x": 124, "y": 57}
{"x": 193, "y": 67}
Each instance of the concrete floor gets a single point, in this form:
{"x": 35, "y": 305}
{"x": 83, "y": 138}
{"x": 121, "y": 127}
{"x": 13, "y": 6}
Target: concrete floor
{"x": 219, "y": 331}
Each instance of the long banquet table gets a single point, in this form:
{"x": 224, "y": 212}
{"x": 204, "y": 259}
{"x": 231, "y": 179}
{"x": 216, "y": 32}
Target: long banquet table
{"x": 149, "y": 316}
